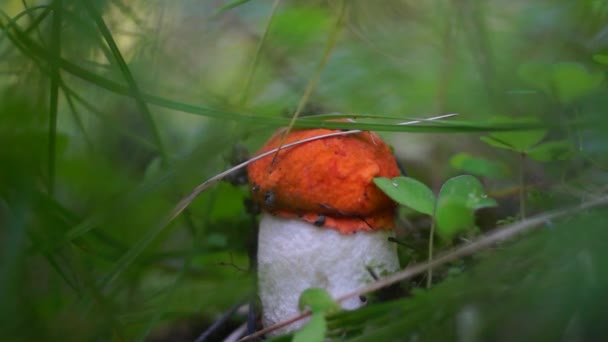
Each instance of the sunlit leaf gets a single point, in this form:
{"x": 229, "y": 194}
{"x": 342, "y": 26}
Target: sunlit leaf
{"x": 408, "y": 192}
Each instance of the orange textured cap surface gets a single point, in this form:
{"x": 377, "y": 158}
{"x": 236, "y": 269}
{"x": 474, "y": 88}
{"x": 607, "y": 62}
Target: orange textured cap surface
{"x": 327, "y": 182}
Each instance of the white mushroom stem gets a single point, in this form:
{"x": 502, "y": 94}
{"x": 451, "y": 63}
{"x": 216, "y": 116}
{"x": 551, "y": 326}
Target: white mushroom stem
{"x": 294, "y": 255}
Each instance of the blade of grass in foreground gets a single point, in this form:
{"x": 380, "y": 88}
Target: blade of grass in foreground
{"x": 460, "y": 126}
{"x": 128, "y": 76}
{"x": 54, "y": 91}
{"x": 35, "y": 50}
{"x": 123, "y": 263}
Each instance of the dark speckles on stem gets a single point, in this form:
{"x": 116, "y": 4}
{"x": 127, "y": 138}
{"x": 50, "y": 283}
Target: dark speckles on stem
{"x": 269, "y": 198}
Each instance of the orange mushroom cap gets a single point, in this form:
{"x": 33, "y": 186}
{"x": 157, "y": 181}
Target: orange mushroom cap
{"x": 327, "y": 182}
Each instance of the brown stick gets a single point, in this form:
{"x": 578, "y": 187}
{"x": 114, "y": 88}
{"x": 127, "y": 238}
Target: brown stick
{"x": 479, "y": 244}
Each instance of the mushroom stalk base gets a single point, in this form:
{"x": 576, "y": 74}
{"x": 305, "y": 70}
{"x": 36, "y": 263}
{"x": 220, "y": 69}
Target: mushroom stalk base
{"x": 294, "y": 255}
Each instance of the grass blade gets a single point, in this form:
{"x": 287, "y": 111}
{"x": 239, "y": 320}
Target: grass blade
{"x": 54, "y": 91}
{"x": 133, "y": 88}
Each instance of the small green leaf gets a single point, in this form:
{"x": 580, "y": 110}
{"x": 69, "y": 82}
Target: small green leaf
{"x": 566, "y": 81}
{"x": 467, "y": 190}
{"x": 538, "y": 75}
{"x": 217, "y": 240}
{"x": 297, "y": 27}
{"x": 552, "y": 150}
{"x": 496, "y": 143}
{"x": 518, "y": 141}
{"x": 153, "y": 169}
{"x": 318, "y": 301}
{"x": 573, "y": 81}
{"x": 231, "y": 5}
{"x": 313, "y": 331}
{"x": 479, "y": 166}
{"x": 452, "y": 217}
{"x": 459, "y": 197}
{"x": 602, "y": 59}
{"x": 408, "y": 192}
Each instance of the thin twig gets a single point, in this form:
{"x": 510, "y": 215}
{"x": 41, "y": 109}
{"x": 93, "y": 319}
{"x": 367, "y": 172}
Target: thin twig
{"x": 218, "y": 323}
{"x": 481, "y": 243}
{"x": 181, "y": 205}
{"x": 235, "y": 335}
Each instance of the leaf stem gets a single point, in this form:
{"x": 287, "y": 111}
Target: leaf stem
{"x": 429, "y": 273}
{"x": 54, "y": 92}
{"x": 522, "y": 186}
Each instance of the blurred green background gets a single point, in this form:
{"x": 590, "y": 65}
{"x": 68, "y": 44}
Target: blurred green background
{"x": 111, "y": 111}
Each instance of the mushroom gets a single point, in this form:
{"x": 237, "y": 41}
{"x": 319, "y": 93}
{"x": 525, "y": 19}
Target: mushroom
{"x": 324, "y": 222}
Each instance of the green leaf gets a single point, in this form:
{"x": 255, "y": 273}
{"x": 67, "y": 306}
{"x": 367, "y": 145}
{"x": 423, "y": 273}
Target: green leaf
{"x": 479, "y": 166}
{"x": 313, "y": 331}
{"x": 538, "y": 75}
{"x": 231, "y": 5}
{"x": 408, "y": 192}
{"x": 459, "y": 197}
{"x": 452, "y": 217}
{"x": 297, "y": 27}
{"x": 602, "y": 59}
{"x": 496, "y": 143}
{"x": 552, "y": 150}
{"x": 517, "y": 141}
{"x": 566, "y": 81}
{"x": 318, "y": 300}
{"x": 573, "y": 81}
{"x": 467, "y": 190}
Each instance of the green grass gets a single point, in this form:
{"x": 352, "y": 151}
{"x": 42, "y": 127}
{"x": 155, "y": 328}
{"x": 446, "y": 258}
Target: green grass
{"x": 114, "y": 114}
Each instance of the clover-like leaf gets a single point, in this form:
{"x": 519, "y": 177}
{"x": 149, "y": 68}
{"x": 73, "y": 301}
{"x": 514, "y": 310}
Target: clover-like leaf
{"x": 408, "y": 192}
{"x": 601, "y": 58}
{"x": 478, "y": 166}
{"x": 538, "y": 75}
{"x": 452, "y": 217}
{"x": 318, "y": 301}
{"x": 573, "y": 81}
{"x": 517, "y": 141}
{"x": 313, "y": 331}
{"x": 552, "y": 150}
{"x": 565, "y": 81}
{"x": 458, "y": 199}
{"x": 468, "y": 190}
